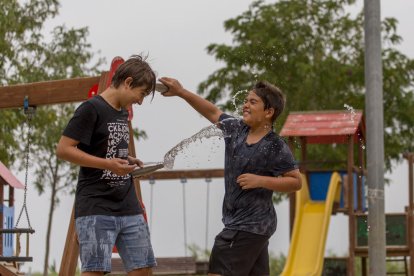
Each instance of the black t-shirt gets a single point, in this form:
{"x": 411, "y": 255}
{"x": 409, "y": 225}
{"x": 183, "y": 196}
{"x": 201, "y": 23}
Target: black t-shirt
{"x": 103, "y": 132}
{"x": 251, "y": 210}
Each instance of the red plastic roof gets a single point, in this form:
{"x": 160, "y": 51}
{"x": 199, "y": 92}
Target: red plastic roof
{"x": 9, "y": 178}
{"x": 322, "y": 127}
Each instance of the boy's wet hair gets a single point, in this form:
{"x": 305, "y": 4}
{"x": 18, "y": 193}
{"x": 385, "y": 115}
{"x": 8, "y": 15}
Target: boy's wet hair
{"x": 139, "y": 70}
{"x": 271, "y": 96}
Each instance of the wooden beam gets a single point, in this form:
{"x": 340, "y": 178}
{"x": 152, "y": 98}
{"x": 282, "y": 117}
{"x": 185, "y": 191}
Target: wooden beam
{"x": 48, "y": 92}
{"x": 178, "y": 174}
{"x": 8, "y": 269}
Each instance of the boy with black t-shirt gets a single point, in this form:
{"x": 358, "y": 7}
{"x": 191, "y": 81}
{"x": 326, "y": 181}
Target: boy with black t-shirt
{"x": 107, "y": 211}
{"x": 257, "y": 162}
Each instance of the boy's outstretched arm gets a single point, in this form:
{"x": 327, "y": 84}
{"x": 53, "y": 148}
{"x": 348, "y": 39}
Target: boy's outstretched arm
{"x": 67, "y": 150}
{"x": 204, "y": 107}
{"x": 288, "y": 182}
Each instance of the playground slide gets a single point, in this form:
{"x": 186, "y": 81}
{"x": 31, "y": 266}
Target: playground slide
{"x": 310, "y": 230}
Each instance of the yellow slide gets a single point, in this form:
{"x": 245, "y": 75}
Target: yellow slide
{"x": 310, "y": 230}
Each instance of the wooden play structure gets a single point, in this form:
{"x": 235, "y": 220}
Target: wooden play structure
{"x": 342, "y": 128}
{"x": 310, "y": 207}
{"x": 77, "y": 90}
{"x": 9, "y": 250}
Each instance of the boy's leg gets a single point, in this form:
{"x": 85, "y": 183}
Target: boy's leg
{"x": 235, "y": 253}
{"x": 96, "y": 235}
{"x": 134, "y": 245}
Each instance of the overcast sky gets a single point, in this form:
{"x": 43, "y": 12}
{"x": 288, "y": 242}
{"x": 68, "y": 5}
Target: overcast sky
{"x": 175, "y": 35}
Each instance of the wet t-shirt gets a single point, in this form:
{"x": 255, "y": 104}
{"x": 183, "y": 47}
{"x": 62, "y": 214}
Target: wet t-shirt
{"x": 102, "y": 131}
{"x": 251, "y": 210}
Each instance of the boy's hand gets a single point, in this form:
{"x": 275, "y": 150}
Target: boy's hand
{"x": 135, "y": 161}
{"x": 174, "y": 87}
{"x": 120, "y": 166}
{"x": 248, "y": 181}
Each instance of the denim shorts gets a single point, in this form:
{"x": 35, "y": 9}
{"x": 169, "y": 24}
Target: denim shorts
{"x": 97, "y": 236}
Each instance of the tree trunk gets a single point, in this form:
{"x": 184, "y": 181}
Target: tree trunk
{"x": 49, "y": 227}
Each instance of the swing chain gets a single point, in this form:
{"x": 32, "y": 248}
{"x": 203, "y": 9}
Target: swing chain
{"x": 29, "y": 111}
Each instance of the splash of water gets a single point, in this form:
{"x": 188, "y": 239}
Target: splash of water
{"x": 237, "y": 106}
{"x": 207, "y": 132}
{"x": 352, "y": 110}
{"x": 353, "y": 115}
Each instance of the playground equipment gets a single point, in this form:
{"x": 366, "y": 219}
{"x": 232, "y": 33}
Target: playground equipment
{"x": 310, "y": 230}
{"x": 339, "y": 127}
{"x": 7, "y": 230}
{"x": 45, "y": 93}
{"x": 312, "y": 206}
{"x": 67, "y": 91}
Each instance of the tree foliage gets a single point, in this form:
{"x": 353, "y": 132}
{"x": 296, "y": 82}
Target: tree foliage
{"x": 314, "y": 51}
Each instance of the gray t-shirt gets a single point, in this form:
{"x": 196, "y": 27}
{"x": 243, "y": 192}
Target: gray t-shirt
{"x": 251, "y": 210}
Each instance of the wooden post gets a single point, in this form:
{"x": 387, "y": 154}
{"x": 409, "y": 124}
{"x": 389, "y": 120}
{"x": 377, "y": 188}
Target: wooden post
{"x": 351, "y": 215}
{"x": 71, "y": 252}
{"x": 360, "y": 174}
{"x": 2, "y": 183}
{"x": 410, "y": 159}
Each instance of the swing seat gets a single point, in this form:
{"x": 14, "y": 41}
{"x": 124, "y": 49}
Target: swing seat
{"x": 19, "y": 259}
{"x": 17, "y": 231}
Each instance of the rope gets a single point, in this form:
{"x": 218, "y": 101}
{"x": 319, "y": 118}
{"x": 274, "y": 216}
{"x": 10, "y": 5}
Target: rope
{"x": 183, "y": 181}
{"x": 29, "y": 111}
{"x": 208, "y": 180}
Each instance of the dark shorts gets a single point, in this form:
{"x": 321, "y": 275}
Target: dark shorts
{"x": 239, "y": 253}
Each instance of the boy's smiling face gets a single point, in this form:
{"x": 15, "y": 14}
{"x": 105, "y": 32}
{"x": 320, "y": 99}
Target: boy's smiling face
{"x": 139, "y": 93}
{"x": 134, "y": 95}
{"x": 254, "y": 113}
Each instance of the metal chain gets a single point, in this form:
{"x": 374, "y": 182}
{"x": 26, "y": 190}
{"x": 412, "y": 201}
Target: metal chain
{"x": 29, "y": 112}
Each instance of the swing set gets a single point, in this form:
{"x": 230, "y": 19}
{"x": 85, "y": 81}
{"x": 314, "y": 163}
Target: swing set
{"x": 6, "y": 233}
{"x": 69, "y": 91}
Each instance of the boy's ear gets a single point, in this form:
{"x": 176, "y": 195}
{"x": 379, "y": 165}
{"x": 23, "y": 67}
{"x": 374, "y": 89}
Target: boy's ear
{"x": 128, "y": 81}
{"x": 269, "y": 112}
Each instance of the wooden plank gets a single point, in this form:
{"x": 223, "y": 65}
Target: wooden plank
{"x": 7, "y": 269}
{"x": 165, "y": 266}
{"x": 179, "y": 174}
{"x": 48, "y": 92}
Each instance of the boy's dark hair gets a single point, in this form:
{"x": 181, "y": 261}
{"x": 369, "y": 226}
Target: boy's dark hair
{"x": 139, "y": 70}
{"x": 271, "y": 96}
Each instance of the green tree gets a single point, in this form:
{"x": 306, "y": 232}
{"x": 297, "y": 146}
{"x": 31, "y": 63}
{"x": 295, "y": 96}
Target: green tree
{"x": 27, "y": 56}
{"x": 314, "y": 51}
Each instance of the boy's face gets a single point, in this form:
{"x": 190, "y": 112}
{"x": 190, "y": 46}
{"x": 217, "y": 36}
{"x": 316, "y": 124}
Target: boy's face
{"x": 254, "y": 113}
{"x": 138, "y": 94}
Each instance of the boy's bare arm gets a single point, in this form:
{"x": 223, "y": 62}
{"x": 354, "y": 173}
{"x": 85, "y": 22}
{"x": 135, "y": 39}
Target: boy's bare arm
{"x": 67, "y": 150}
{"x": 204, "y": 107}
{"x": 288, "y": 182}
